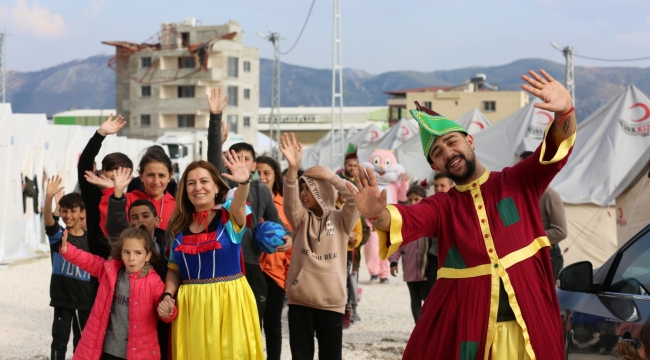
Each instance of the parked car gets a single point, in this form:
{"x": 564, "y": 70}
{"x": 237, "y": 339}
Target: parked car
{"x": 602, "y": 307}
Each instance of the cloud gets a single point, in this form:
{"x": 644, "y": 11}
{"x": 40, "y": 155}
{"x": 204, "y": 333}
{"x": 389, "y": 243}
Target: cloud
{"x": 36, "y": 20}
{"x": 95, "y": 7}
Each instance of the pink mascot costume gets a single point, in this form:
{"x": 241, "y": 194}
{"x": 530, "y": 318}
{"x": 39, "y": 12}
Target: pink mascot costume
{"x": 388, "y": 174}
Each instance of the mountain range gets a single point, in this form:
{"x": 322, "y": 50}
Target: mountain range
{"x": 89, "y": 83}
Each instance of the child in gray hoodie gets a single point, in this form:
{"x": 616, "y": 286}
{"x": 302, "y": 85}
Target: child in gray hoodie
{"x": 318, "y": 271}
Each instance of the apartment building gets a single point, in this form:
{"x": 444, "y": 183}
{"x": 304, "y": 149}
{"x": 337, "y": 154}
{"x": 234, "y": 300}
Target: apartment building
{"x": 161, "y": 84}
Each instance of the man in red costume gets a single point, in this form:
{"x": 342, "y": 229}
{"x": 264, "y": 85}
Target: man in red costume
{"x": 495, "y": 294}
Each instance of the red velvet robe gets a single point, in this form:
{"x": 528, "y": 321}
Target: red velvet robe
{"x": 486, "y": 230}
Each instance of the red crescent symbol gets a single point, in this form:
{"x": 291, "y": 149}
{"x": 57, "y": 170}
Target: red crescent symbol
{"x": 644, "y": 107}
{"x": 374, "y": 135}
{"x": 406, "y": 131}
{"x": 550, "y": 118}
{"x": 479, "y": 124}
{"x": 620, "y": 211}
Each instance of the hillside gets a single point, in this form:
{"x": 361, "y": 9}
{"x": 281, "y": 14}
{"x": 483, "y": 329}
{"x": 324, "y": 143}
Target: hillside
{"x": 89, "y": 83}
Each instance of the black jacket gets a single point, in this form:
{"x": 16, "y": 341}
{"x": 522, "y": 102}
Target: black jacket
{"x": 92, "y": 196}
{"x": 116, "y": 222}
{"x": 70, "y": 286}
{"x": 259, "y": 196}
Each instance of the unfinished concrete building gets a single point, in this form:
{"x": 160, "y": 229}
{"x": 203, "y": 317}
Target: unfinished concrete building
{"x": 161, "y": 84}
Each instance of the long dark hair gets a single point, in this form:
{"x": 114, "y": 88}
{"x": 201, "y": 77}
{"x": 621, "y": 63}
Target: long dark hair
{"x": 277, "y": 173}
{"x": 182, "y": 216}
{"x": 628, "y": 352}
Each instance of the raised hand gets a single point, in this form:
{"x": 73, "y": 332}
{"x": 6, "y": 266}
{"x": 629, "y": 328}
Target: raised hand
{"x": 556, "y": 98}
{"x": 53, "y": 187}
{"x": 121, "y": 181}
{"x": 291, "y": 149}
{"x": 111, "y": 126}
{"x": 215, "y": 102}
{"x": 369, "y": 200}
{"x": 319, "y": 172}
{"x": 238, "y": 171}
{"x": 64, "y": 242}
{"x": 225, "y": 130}
{"x": 101, "y": 181}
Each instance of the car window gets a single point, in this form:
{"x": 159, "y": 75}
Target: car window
{"x": 633, "y": 273}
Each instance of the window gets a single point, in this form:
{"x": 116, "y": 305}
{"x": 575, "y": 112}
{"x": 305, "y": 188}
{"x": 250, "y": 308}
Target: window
{"x": 232, "y": 119}
{"x": 232, "y": 95}
{"x": 145, "y": 120}
{"x": 247, "y": 94}
{"x": 186, "y": 39}
{"x": 247, "y": 121}
{"x": 185, "y": 121}
{"x": 233, "y": 67}
{"x": 633, "y": 272}
{"x": 146, "y": 91}
{"x": 247, "y": 66}
{"x": 186, "y": 91}
{"x": 186, "y": 62}
{"x": 427, "y": 104}
{"x": 177, "y": 151}
{"x": 145, "y": 62}
{"x": 489, "y": 106}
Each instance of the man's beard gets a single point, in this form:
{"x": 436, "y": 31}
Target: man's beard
{"x": 347, "y": 174}
{"x": 470, "y": 168}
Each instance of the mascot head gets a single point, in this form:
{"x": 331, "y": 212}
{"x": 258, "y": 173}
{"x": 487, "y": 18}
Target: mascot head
{"x": 384, "y": 165}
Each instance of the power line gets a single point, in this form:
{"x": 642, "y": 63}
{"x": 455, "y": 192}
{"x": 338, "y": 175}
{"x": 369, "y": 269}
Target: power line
{"x": 303, "y": 29}
{"x": 611, "y": 60}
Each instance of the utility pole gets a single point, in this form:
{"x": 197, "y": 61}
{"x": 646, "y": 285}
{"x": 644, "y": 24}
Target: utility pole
{"x": 569, "y": 71}
{"x": 274, "y": 116}
{"x": 3, "y": 65}
{"x": 337, "y": 91}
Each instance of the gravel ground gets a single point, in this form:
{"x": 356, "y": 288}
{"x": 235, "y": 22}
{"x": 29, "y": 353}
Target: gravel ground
{"x": 26, "y": 317}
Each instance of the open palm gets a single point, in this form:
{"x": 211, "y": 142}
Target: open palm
{"x": 216, "y": 102}
{"x": 291, "y": 149}
{"x": 122, "y": 178}
{"x": 556, "y": 98}
{"x": 370, "y": 201}
{"x": 53, "y": 186}
{"x": 112, "y": 126}
{"x": 238, "y": 171}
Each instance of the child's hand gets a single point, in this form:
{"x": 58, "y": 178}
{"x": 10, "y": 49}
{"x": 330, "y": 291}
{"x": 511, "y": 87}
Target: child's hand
{"x": 238, "y": 171}
{"x": 215, "y": 102}
{"x": 64, "y": 242}
{"x": 111, "y": 126}
{"x": 288, "y": 243}
{"x": 166, "y": 307}
{"x": 53, "y": 187}
{"x": 292, "y": 150}
{"x": 121, "y": 180}
{"x": 393, "y": 271}
{"x": 319, "y": 172}
{"x": 101, "y": 181}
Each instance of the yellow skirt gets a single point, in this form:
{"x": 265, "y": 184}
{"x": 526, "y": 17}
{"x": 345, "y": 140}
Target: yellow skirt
{"x": 216, "y": 320}
{"x": 508, "y": 342}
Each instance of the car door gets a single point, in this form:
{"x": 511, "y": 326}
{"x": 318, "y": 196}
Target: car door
{"x": 615, "y": 308}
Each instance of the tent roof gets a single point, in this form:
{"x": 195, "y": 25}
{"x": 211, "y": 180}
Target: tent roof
{"x": 473, "y": 121}
{"x": 612, "y": 149}
{"x": 368, "y": 135}
{"x": 398, "y": 134}
{"x": 499, "y": 145}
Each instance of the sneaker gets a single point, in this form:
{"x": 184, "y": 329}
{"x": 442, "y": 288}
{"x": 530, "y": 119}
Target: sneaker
{"x": 384, "y": 281}
{"x": 374, "y": 278}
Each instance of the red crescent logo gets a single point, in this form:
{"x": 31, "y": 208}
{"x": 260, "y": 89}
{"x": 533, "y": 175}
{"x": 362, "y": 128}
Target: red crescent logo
{"x": 479, "y": 124}
{"x": 374, "y": 135}
{"x": 644, "y": 107}
{"x": 620, "y": 212}
{"x": 550, "y": 118}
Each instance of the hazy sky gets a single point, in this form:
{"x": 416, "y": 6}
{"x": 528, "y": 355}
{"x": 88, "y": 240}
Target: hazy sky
{"x": 378, "y": 35}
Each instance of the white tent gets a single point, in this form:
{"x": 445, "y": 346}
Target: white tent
{"x": 474, "y": 121}
{"x": 264, "y": 144}
{"x": 11, "y": 203}
{"x": 609, "y": 165}
{"x": 397, "y": 135}
{"x": 366, "y": 136}
{"x": 32, "y": 137}
{"x": 410, "y": 154}
{"x": 310, "y": 156}
{"x": 67, "y": 143}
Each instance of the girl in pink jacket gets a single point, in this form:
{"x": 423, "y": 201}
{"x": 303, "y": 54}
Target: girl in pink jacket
{"x": 122, "y": 323}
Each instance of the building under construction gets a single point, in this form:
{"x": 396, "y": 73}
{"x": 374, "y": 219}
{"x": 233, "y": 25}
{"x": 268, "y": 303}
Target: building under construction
{"x": 161, "y": 83}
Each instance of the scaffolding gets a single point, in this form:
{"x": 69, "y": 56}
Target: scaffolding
{"x": 337, "y": 86}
